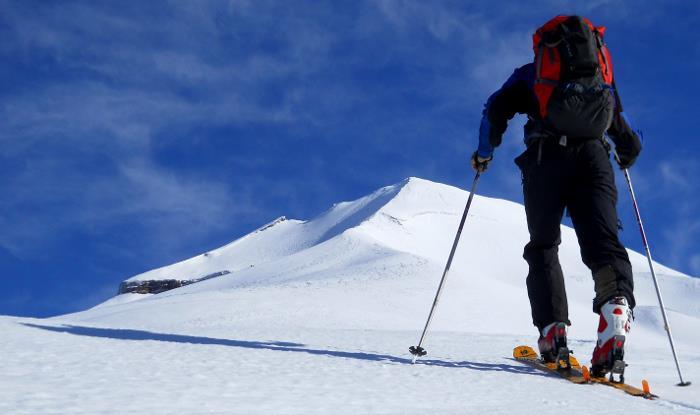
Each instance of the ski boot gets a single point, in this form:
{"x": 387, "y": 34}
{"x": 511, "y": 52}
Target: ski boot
{"x": 552, "y": 345}
{"x": 613, "y": 328}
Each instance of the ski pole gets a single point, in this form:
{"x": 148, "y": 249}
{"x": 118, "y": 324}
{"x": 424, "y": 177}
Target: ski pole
{"x": 653, "y": 274}
{"x": 417, "y": 351}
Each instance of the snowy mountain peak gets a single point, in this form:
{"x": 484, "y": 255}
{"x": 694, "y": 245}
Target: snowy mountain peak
{"x": 400, "y": 235}
{"x": 283, "y": 236}
{"x": 411, "y": 197}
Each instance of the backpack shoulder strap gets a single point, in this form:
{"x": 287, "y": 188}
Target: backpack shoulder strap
{"x": 605, "y": 62}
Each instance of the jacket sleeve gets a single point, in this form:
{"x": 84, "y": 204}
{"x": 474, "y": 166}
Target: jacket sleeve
{"x": 513, "y": 97}
{"x": 627, "y": 143}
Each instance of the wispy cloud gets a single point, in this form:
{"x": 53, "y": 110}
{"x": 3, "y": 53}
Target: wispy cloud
{"x": 442, "y": 21}
{"x": 87, "y": 134}
{"x": 674, "y": 186}
{"x": 677, "y": 174}
{"x": 135, "y": 193}
{"x": 695, "y": 264}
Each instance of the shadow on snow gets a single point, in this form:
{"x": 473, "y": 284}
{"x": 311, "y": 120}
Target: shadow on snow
{"x": 141, "y": 335}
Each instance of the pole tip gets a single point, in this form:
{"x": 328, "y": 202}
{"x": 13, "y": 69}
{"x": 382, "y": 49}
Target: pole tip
{"x": 417, "y": 351}
{"x": 686, "y": 383}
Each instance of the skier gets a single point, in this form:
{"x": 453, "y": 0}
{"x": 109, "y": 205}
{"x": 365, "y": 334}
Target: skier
{"x": 571, "y": 101}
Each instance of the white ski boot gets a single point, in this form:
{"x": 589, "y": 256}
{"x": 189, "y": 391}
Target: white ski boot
{"x": 613, "y": 328}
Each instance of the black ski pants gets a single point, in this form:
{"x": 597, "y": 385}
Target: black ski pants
{"x": 577, "y": 176}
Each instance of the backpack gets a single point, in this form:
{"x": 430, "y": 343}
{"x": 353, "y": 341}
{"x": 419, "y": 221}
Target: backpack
{"x": 574, "y": 78}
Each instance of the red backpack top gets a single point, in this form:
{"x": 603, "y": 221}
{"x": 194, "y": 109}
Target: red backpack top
{"x": 574, "y": 76}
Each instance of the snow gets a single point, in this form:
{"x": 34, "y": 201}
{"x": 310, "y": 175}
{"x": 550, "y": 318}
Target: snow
{"x": 317, "y": 317}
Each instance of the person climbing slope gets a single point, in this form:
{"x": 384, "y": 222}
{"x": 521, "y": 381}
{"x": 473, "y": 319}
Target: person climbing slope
{"x": 572, "y": 105}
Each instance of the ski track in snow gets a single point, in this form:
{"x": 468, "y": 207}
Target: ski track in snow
{"x": 316, "y": 318}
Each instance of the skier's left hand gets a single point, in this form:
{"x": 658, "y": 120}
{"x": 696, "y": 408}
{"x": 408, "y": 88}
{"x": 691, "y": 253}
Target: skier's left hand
{"x": 480, "y": 164}
{"x": 627, "y": 152}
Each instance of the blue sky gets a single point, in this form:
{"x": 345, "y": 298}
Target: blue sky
{"x": 135, "y": 134}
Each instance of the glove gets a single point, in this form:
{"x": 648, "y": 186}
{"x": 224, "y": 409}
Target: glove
{"x": 626, "y": 160}
{"x": 480, "y": 164}
{"x": 628, "y": 150}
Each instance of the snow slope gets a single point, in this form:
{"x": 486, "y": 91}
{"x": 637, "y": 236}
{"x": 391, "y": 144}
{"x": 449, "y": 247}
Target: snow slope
{"x": 317, "y": 316}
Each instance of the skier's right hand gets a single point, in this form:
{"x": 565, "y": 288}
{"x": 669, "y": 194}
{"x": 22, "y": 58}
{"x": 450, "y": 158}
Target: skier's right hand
{"x": 625, "y": 160}
{"x": 480, "y": 164}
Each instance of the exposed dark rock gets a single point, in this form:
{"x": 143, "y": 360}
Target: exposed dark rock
{"x": 159, "y": 286}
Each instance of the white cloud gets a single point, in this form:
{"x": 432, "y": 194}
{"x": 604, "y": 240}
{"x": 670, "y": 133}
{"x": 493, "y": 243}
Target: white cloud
{"x": 124, "y": 81}
{"x": 140, "y": 195}
{"x": 695, "y": 265}
{"x": 440, "y": 20}
{"x": 677, "y": 174}
{"x": 674, "y": 184}
{"x": 153, "y": 190}
{"x": 680, "y": 243}
{"x": 500, "y": 56}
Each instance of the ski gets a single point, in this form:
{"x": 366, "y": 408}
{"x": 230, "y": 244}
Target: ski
{"x": 577, "y": 374}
